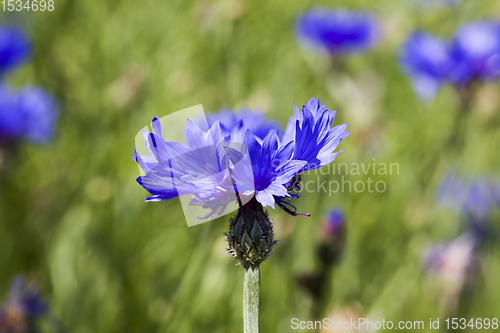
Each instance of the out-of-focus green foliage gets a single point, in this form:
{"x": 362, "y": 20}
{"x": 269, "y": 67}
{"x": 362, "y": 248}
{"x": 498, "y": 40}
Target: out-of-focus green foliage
{"x": 73, "y": 217}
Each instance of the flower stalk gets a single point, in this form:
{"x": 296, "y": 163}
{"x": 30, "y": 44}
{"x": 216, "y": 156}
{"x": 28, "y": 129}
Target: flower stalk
{"x": 251, "y": 296}
{"x": 251, "y": 240}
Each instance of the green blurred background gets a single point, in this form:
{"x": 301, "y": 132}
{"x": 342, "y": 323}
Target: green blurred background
{"x": 73, "y": 218}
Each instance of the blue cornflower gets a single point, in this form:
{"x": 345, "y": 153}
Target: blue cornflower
{"x": 337, "y": 31}
{"x": 426, "y": 60}
{"x": 216, "y": 169}
{"x": 14, "y": 48}
{"x": 475, "y": 52}
{"x": 29, "y": 113}
{"x": 314, "y": 139}
{"x": 200, "y": 168}
{"x": 236, "y": 123}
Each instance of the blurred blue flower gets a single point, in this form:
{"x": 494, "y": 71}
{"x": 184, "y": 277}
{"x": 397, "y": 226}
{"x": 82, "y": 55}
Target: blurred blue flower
{"x": 39, "y": 113}
{"x": 426, "y": 60}
{"x": 28, "y": 298}
{"x": 29, "y": 113}
{"x": 475, "y": 52}
{"x": 14, "y": 48}
{"x": 333, "y": 223}
{"x": 11, "y": 121}
{"x": 238, "y": 122}
{"x": 23, "y": 305}
{"x": 473, "y": 199}
{"x": 337, "y": 31}
{"x": 208, "y": 166}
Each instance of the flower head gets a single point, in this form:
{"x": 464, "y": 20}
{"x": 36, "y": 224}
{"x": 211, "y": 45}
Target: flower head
{"x": 222, "y": 165}
{"x": 337, "y": 31}
{"x": 475, "y": 52}
{"x": 251, "y": 236}
{"x": 426, "y": 60}
{"x": 14, "y": 48}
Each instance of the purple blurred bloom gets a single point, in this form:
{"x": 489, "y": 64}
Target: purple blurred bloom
{"x": 333, "y": 223}
{"x": 337, "y": 31}
{"x": 425, "y": 59}
{"x": 23, "y": 304}
{"x": 14, "y": 48}
{"x": 29, "y": 113}
{"x": 28, "y": 298}
{"x": 475, "y": 52}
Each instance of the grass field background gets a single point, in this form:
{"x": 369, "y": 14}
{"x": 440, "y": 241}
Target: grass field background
{"x": 73, "y": 219}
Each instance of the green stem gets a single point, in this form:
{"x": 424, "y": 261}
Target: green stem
{"x": 251, "y": 294}
{"x": 466, "y": 94}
